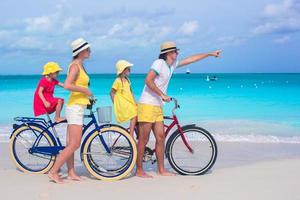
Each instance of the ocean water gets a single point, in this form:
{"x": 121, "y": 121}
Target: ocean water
{"x": 236, "y": 107}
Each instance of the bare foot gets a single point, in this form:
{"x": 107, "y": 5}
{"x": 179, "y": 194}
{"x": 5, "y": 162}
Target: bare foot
{"x": 55, "y": 177}
{"x": 59, "y": 119}
{"x": 74, "y": 177}
{"x": 166, "y": 173}
{"x": 143, "y": 174}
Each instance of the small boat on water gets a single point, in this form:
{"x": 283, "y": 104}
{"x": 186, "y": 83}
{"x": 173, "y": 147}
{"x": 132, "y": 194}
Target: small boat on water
{"x": 213, "y": 78}
{"x": 188, "y": 71}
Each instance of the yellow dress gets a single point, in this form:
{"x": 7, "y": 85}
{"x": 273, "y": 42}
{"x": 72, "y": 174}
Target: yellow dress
{"x": 124, "y": 105}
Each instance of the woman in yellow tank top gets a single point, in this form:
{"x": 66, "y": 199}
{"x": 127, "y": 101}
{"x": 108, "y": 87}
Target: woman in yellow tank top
{"x": 79, "y": 98}
{"x": 77, "y": 82}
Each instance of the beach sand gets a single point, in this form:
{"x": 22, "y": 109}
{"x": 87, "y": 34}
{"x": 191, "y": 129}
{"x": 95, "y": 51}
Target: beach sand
{"x": 243, "y": 171}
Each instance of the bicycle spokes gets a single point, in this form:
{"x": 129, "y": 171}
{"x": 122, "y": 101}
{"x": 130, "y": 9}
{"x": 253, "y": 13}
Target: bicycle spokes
{"x": 116, "y": 161}
{"x": 202, "y": 157}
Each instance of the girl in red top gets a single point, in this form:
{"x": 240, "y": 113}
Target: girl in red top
{"x": 44, "y": 102}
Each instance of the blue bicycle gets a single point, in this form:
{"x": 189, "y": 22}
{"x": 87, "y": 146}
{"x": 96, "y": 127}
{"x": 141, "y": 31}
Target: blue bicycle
{"x": 107, "y": 151}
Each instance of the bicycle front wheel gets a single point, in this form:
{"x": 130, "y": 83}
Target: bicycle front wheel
{"x": 22, "y": 140}
{"x": 197, "y": 160}
{"x": 115, "y": 164}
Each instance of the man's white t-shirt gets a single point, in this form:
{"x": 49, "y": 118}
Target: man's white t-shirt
{"x": 164, "y": 73}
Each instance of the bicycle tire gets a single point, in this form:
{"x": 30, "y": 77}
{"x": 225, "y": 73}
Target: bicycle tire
{"x": 184, "y": 165}
{"x": 108, "y": 173}
{"x": 30, "y": 167}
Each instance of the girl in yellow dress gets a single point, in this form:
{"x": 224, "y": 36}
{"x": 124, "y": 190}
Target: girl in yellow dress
{"x": 121, "y": 94}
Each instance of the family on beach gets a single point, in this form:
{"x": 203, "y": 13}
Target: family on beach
{"x": 147, "y": 113}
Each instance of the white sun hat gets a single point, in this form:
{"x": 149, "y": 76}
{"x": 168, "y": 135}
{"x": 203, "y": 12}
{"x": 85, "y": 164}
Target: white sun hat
{"x": 79, "y": 45}
{"x": 121, "y": 65}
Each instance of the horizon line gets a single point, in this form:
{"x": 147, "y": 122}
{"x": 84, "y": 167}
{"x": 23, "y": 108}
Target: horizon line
{"x": 173, "y": 73}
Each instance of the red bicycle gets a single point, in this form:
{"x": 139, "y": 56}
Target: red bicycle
{"x": 190, "y": 150}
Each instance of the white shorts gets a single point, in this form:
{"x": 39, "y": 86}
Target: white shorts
{"x": 75, "y": 114}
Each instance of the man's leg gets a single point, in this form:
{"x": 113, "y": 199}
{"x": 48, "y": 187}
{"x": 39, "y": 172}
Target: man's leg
{"x": 132, "y": 126}
{"x": 159, "y": 132}
{"x": 144, "y": 132}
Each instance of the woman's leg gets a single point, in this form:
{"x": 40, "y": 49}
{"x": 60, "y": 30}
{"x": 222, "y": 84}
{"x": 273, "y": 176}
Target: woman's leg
{"x": 58, "y": 109}
{"x": 75, "y": 134}
{"x": 159, "y": 132}
{"x": 70, "y": 165}
{"x": 144, "y": 132}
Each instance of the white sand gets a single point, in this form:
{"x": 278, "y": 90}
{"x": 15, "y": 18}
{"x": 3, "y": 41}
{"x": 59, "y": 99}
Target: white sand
{"x": 265, "y": 180}
{"x": 243, "y": 171}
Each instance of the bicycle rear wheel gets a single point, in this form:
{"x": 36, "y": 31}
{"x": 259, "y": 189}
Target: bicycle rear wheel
{"x": 22, "y": 141}
{"x": 202, "y": 157}
{"x": 114, "y": 165}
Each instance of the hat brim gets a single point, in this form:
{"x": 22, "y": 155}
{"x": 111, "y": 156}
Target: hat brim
{"x": 81, "y": 49}
{"x": 169, "y": 50}
{"x": 46, "y": 73}
{"x": 121, "y": 71}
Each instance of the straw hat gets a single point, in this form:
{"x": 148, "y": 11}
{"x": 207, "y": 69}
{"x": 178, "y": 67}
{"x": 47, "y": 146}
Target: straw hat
{"x": 168, "y": 47}
{"x": 121, "y": 65}
{"x": 79, "y": 45}
{"x": 51, "y": 67}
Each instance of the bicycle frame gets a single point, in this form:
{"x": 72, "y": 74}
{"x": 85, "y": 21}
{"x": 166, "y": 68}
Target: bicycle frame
{"x": 169, "y": 127}
{"x": 44, "y": 126}
{"x": 175, "y": 122}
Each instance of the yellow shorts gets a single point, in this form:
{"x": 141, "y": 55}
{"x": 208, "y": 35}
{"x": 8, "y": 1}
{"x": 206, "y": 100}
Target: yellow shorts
{"x": 150, "y": 113}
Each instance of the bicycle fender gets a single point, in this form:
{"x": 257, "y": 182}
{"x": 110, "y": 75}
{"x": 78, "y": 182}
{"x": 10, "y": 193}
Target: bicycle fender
{"x": 37, "y": 125}
{"x": 15, "y": 127}
{"x": 84, "y": 141}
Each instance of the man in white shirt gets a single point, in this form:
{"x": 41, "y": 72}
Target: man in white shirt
{"x": 150, "y": 114}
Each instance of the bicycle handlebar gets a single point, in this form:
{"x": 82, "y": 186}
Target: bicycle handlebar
{"x": 176, "y": 104}
{"x": 92, "y": 100}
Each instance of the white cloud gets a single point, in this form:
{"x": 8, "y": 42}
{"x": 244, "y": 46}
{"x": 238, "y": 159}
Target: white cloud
{"x": 278, "y": 26}
{"x": 162, "y": 32}
{"x": 273, "y": 10}
{"x": 4, "y": 34}
{"x": 28, "y": 43}
{"x": 134, "y": 32}
{"x": 231, "y": 40}
{"x": 70, "y": 23}
{"x": 139, "y": 29}
{"x": 282, "y": 40}
{"x": 115, "y": 29}
{"x": 131, "y": 28}
{"x": 131, "y": 35}
{"x": 53, "y": 24}
{"x": 43, "y": 23}
{"x": 280, "y": 18}
{"x": 189, "y": 28}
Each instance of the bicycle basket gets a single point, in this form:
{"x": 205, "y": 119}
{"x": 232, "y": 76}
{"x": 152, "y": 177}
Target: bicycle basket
{"x": 104, "y": 114}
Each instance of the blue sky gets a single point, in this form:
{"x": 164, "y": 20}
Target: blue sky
{"x": 256, "y": 36}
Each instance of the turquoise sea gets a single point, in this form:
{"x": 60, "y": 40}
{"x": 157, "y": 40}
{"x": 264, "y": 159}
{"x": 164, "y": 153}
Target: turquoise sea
{"x": 236, "y": 107}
